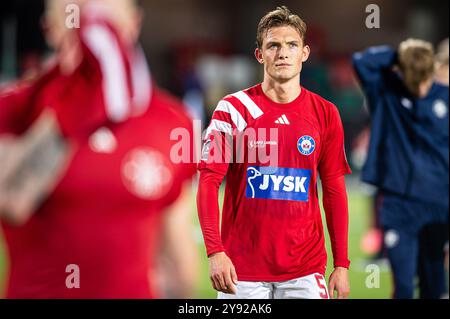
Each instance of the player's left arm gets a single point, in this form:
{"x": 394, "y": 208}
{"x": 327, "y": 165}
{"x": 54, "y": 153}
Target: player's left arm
{"x": 332, "y": 168}
{"x": 336, "y": 212}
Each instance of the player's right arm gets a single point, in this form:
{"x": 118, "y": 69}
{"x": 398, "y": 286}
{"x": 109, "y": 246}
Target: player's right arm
{"x": 99, "y": 54}
{"x": 119, "y": 63}
{"x": 216, "y": 155}
{"x": 370, "y": 66}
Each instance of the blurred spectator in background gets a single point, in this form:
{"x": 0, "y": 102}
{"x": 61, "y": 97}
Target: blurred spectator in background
{"x": 95, "y": 225}
{"x": 408, "y": 161}
{"x": 372, "y": 242}
{"x": 442, "y": 77}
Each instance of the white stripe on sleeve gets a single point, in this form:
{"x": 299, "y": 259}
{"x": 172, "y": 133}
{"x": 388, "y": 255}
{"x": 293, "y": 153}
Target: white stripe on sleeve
{"x": 141, "y": 81}
{"x": 252, "y": 108}
{"x": 220, "y": 126}
{"x": 115, "y": 90}
{"x": 236, "y": 117}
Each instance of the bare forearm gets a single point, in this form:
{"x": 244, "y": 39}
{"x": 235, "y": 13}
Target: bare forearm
{"x": 33, "y": 165}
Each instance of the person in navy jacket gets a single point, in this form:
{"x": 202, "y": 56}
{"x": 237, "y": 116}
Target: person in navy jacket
{"x": 408, "y": 160}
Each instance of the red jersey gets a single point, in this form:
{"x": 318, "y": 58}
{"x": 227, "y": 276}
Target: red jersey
{"x": 105, "y": 215}
{"x": 271, "y": 222}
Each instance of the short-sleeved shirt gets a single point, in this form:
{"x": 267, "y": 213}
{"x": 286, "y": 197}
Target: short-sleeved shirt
{"x": 105, "y": 215}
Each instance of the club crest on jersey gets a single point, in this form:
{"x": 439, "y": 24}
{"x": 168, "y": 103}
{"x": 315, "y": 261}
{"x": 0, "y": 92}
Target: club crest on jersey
{"x": 440, "y": 109}
{"x": 146, "y": 173}
{"x": 278, "y": 183}
{"x": 306, "y": 145}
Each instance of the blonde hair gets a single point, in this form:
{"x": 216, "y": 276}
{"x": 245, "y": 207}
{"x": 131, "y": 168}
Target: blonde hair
{"x": 281, "y": 16}
{"x": 416, "y": 61}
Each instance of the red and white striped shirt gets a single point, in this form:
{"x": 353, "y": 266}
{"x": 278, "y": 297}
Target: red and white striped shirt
{"x": 271, "y": 155}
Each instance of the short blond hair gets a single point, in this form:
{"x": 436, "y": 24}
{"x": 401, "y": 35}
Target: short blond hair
{"x": 416, "y": 60}
{"x": 281, "y": 16}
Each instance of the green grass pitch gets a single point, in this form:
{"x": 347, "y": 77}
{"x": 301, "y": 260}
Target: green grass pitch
{"x": 359, "y": 208}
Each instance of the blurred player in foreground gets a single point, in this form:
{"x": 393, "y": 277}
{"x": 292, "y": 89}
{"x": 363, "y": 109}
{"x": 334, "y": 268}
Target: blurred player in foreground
{"x": 408, "y": 160}
{"x": 90, "y": 193}
{"x": 271, "y": 243}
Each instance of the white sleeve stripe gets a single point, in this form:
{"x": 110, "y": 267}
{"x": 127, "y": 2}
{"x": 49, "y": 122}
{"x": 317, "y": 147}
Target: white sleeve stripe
{"x": 236, "y": 117}
{"x": 141, "y": 81}
{"x": 252, "y": 108}
{"x": 115, "y": 90}
{"x": 220, "y": 126}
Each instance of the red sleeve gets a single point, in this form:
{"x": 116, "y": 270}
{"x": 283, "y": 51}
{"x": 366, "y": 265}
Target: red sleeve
{"x": 112, "y": 80}
{"x": 125, "y": 76}
{"x": 12, "y": 109}
{"x": 333, "y": 161}
{"x": 19, "y": 105}
{"x": 105, "y": 53}
{"x": 336, "y": 212}
{"x": 208, "y": 210}
{"x": 216, "y": 156}
{"x": 178, "y": 126}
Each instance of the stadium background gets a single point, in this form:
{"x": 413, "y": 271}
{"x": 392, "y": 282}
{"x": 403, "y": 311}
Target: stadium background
{"x": 206, "y": 51}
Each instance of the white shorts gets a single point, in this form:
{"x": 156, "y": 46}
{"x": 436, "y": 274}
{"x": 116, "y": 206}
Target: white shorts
{"x": 309, "y": 287}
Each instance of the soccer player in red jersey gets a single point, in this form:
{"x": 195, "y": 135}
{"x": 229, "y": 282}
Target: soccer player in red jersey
{"x": 99, "y": 232}
{"x": 271, "y": 242}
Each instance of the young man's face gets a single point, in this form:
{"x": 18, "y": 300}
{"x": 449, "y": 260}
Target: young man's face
{"x": 282, "y": 53}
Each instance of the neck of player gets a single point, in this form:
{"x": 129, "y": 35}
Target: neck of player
{"x": 285, "y": 92}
